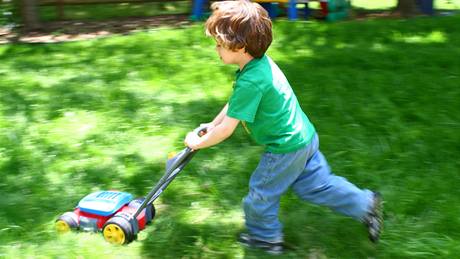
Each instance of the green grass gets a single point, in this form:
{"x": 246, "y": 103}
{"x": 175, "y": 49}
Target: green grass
{"x": 103, "y": 114}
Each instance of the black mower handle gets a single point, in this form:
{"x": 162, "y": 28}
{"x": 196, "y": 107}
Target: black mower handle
{"x": 183, "y": 158}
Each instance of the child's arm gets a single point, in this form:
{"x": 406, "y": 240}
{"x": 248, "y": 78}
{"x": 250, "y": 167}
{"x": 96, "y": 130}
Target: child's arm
{"x": 219, "y": 133}
{"x": 218, "y": 119}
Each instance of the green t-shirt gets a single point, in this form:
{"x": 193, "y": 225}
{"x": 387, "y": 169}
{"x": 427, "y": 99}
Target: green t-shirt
{"x": 268, "y": 108}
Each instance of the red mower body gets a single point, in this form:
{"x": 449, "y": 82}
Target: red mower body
{"x": 94, "y": 210}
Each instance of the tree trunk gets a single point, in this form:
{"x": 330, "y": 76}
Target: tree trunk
{"x": 29, "y": 11}
{"x": 60, "y": 9}
{"x": 407, "y": 8}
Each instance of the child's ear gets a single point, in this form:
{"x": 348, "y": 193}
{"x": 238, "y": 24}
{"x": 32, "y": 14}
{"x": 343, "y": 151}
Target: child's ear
{"x": 242, "y": 50}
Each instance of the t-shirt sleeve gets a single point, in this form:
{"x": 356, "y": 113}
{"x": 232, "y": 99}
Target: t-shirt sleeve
{"x": 244, "y": 102}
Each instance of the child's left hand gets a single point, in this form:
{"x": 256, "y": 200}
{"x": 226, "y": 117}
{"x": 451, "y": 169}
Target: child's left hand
{"x": 192, "y": 140}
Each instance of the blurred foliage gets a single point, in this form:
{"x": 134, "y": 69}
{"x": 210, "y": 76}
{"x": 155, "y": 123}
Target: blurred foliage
{"x": 120, "y": 10}
{"x": 103, "y": 114}
{"x": 115, "y": 10}
{"x": 7, "y": 12}
{"x": 98, "y": 12}
{"x": 387, "y": 4}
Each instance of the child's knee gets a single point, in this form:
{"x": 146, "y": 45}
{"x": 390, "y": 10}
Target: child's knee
{"x": 254, "y": 204}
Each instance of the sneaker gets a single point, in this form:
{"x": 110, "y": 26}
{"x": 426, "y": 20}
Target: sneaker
{"x": 274, "y": 248}
{"x": 374, "y": 219}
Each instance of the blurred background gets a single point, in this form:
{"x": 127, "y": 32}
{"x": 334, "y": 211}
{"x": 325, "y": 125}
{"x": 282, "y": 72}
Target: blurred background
{"x": 122, "y": 15}
{"x": 95, "y": 94}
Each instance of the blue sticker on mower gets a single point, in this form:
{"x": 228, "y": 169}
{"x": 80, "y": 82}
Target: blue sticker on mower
{"x": 104, "y": 203}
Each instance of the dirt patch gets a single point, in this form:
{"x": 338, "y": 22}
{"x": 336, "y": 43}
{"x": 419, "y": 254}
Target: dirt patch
{"x": 80, "y": 30}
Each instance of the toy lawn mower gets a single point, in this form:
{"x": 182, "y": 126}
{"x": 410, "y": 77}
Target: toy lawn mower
{"x": 117, "y": 214}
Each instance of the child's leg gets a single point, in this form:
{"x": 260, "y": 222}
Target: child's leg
{"x": 318, "y": 185}
{"x": 272, "y": 177}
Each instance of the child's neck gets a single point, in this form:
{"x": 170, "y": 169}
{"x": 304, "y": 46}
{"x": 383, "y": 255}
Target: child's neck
{"x": 246, "y": 58}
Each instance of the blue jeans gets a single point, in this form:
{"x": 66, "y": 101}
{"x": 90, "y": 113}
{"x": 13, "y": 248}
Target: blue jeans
{"x": 309, "y": 175}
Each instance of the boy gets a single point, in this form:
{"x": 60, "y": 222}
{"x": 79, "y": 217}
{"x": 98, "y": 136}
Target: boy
{"x": 263, "y": 101}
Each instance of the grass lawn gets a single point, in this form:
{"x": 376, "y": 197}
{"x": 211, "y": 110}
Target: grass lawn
{"x": 103, "y": 114}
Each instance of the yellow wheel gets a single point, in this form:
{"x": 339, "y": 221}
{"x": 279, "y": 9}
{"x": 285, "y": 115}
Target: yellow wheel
{"x": 66, "y": 222}
{"x": 114, "y": 234}
{"x": 62, "y": 226}
{"x": 118, "y": 231}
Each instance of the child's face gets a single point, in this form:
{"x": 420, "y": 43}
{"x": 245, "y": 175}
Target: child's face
{"x": 229, "y": 56}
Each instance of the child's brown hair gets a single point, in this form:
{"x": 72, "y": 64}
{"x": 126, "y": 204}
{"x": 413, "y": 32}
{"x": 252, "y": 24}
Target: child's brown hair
{"x": 241, "y": 24}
